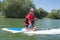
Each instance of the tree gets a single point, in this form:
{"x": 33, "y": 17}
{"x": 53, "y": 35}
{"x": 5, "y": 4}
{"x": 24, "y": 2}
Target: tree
{"x": 0, "y": 5}
{"x": 17, "y": 8}
{"x": 54, "y": 14}
{"x": 40, "y": 13}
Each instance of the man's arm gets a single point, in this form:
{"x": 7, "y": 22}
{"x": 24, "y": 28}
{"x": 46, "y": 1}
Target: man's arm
{"x": 30, "y": 23}
{"x": 35, "y": 19}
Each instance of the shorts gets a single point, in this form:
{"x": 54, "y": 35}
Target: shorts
{"x": 28, "y": 26}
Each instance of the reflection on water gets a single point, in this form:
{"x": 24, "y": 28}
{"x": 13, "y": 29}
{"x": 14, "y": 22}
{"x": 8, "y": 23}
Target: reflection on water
{"x": 48, "y": 37}
{"x": 48, "y": 23}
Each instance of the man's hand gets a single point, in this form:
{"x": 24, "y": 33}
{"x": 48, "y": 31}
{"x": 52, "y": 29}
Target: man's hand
{"x": 35, "y": 19}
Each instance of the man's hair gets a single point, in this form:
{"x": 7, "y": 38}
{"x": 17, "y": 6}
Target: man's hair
{"x": 32, "y": 9}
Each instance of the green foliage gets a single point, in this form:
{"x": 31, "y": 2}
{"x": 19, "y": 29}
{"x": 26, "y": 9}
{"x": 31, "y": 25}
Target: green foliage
{"x": 52, "y": 15}
{"x": 55, "y": 14}
{"x": 17, "y": 8}
{"x": 40, "y": 13}
{"x": 0, "y": 5}
{"x": 37, "y": 14}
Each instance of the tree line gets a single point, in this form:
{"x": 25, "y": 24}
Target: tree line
{"x": 19, "y": 8}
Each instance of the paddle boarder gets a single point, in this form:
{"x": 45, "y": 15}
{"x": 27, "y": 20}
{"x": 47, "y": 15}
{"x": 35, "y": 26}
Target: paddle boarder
{"x": 30, "y": 20}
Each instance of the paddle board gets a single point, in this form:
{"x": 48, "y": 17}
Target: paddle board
{"x": 23, "y": 30}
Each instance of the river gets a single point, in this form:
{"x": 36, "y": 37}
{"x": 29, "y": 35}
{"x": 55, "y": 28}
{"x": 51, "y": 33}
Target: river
{"x": 41, "y": 24}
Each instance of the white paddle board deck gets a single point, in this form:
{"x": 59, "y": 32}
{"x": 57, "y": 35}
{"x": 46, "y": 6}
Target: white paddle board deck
{"x": 23, "y": 30}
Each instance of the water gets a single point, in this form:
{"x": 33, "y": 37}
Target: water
{"x": 42, "y": 23}
{"x": 48, "y": 23}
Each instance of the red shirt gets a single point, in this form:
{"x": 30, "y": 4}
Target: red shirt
{"x": 29, "y": 17}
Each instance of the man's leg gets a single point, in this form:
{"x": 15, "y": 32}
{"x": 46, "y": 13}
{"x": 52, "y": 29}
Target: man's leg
{"x": 33, "y": 25}
{"x": 28, "y": 27}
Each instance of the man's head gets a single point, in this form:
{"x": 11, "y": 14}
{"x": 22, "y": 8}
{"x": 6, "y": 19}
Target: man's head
{"x": 32, "y": 10}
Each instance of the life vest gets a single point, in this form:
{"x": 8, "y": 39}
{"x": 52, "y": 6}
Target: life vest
{"x": 29, "y": 17}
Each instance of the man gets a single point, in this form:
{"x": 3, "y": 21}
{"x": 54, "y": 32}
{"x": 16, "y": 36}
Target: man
{"x": 30, "y": 20}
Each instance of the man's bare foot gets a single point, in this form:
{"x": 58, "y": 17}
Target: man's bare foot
{"x": 34, "y": 29}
